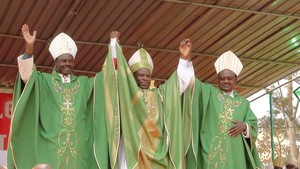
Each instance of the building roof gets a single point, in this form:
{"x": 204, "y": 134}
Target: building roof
{"x": 263, "y": 34}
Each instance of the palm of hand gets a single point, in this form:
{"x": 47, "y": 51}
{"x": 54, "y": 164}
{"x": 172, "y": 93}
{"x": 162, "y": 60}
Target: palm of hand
{"x": 28, "y": 38}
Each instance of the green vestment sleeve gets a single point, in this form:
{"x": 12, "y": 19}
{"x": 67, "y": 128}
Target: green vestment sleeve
{"x": 99, "y": 122}
{"x": 111, "y": 106}
{"x": 24, "y": 128}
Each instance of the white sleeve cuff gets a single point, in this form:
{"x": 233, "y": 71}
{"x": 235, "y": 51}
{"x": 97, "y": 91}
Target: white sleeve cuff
{"x": 183, "y": 63}
{"x": 185, "y": 73}
{"x": 190, "y": 64}
{"x": 246, "y": 133}
{"x": 113, "y": 42}
{"x": 25, "y": 67}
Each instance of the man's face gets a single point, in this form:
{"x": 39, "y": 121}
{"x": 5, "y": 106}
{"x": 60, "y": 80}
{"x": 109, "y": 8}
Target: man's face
{"x": 290, "y": 166}
{"x": 227, "y": 80}
{"x": 64, "y": 64}
{"x": 142, "y": 78}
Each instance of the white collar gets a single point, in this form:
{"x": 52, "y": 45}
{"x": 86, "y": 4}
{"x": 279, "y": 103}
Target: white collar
{"x": 65, "y": 79}
{"x": 230, "y": 94}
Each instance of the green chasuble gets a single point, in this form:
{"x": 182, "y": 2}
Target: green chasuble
{"x": 155, "y": 123}
{"x": 212, "y": 147}
{"x": 58, "y": 124}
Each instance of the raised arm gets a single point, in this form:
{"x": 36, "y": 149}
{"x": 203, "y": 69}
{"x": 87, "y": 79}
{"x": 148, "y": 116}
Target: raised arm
{"x": 25, "y": 61}
{"x": 185, "y": 68}
{"x": 114, "y": 39}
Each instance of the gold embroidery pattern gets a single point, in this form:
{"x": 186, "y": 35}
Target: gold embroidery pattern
{"x": 150, "y": 135}
{"x": 150, "y": 102}
{"x": 140, "y": 65}
{"x": 67, "y": 137}
{"x": 219, "y": 145}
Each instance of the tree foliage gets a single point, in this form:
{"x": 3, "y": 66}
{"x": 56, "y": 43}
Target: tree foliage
{"x": 286, "y": 125}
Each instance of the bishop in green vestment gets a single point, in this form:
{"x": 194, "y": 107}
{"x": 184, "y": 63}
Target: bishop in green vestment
{"x": 55, "y": 119}
{"x": 224, "y": 126}
{"x": 148, "y": 127}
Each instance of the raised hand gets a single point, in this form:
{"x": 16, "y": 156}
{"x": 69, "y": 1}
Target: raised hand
{"x": 237, "y": 129}
{"x": 185, "y": 48}
{"x": 29, "y": 39}
{"x": 115, "y": 34}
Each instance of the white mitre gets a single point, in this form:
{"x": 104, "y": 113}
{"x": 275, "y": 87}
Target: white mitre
{"x": 229, "y": 60}
{"x": 62, "y": 44}
{"x": 140, "y": 59}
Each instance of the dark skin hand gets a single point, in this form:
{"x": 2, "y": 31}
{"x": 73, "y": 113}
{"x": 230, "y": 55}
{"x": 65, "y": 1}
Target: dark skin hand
{"x": 185, "y": 48}
{"x": 237, "y": 129}
{"x": 29, "y": 39}
{"x": 115, "y": 34}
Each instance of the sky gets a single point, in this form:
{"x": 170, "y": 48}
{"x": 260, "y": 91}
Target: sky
{"x": 260, "y": 106}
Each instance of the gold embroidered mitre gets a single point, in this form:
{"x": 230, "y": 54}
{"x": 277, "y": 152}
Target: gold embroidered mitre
{"x": 140, "y": 59}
